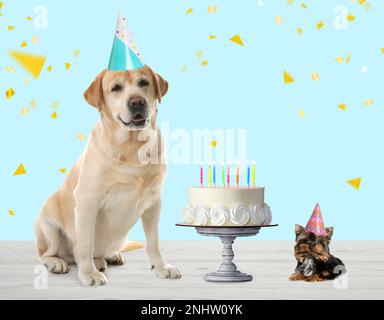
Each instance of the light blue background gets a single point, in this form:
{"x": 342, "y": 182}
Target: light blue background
{"x": 299, "y": 161}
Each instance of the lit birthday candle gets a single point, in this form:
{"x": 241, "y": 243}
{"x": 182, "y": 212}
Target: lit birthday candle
{"x": 201, "y": 176}
{"x": 248, "y": 176}
{"x": 228, "y": 176}
{"x": 209, "y": 176}
{"x": 214, "y": 173}
{"x": 253, "y": 174}
{"x": 237, "y": 176}
{"x": 223, "y": 174}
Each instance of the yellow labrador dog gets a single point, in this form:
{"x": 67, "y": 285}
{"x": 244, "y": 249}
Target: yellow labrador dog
{"x": 111, "y": 186}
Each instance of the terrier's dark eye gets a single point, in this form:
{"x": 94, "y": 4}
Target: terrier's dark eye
{"x": 117, "y": 88}
{"x": 143, "y": 83}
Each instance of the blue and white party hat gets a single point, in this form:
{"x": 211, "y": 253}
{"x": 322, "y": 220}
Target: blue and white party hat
{"x": 124, "y": 54}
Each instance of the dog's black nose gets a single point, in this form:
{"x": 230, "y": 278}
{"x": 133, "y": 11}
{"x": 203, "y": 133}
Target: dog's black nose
{"x": 136, "y": 103}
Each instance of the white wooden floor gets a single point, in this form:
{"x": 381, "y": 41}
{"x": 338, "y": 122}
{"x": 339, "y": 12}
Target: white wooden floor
{"x": 270, "y": 262}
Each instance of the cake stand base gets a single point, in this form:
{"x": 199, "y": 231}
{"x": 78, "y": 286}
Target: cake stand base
{"x": 227, "y": 271}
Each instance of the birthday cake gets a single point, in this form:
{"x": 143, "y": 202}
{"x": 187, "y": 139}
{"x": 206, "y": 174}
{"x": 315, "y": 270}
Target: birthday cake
{"x": 227, "y": 206}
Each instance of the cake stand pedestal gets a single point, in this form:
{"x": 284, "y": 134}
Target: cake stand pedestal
{"x": 227, "y": 271}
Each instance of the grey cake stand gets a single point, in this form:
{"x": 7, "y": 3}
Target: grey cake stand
{"x": 227, "y": 271}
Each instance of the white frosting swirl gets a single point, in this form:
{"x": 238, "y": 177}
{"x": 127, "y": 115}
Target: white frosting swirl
{"x": 201, "y": 214}
{"x": 240, "y": 215}
{"x": 219, "y": 215}
{"x": 188, "y": 215}
{"x": 267, "y": 214}
{"x": 257, "y": 215}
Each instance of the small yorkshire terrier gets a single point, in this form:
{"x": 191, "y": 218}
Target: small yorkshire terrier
{"x": 314, "y": 262}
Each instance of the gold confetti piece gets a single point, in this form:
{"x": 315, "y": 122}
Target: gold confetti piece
{"x": 49, "y": 68}
{"x": 355, "y": 183}
{"x": 80, "y": 136}
{"x": 76, "y": 53}
{"x": 361, "y": 1}
{"x": 33, "y": 103}
{"x": 304, "y": 6}
{"x": 9, "y": 93}
{"x": 342, "y": 106}
{"x": 62, "y": 170}
{"x": 54, "y": 115}
{"x": 279, "y": 20}
{"x": 10, "y": 28}
{"x": 288, "y": 78}
{"x": 67, "y": 65}
{"x": 212, "y": 36}
{"x": 30, "y": 62}
{"x": 23, "y": 44}
{"x": 315, "y": 76}
{"x": 212, "y": 9}
{"x": 382, "y": 50}
{"x": 11, "y": 212}
{"x": 24, "y": 111}
{"x": 339, "y": 59}
{"x": 237, "y": 39}
{"x": 29, "y": 18}
{"x": 20, "y": 170}
{"x": 368, "y": 102}
{"x": 190, "y": 10}
{"x": 184, "y": 68}
{"x": 213, "y": 143}
{"x": 10, "y": 69}
{"x": 299, "y": 30}
{"x": 350, "y": 17}
{"x": 35, "y": 40}
{"x": 290, "y": 2}
{"x": 54, "y": 104}
{"x": 301, "y": 113}
{"x": 1, "y": 5}
{"x": 320, "y": 24}
{"x": 348, "y": 58}
{"x": 199, "y": 53}
{"x": 204, "y": 63}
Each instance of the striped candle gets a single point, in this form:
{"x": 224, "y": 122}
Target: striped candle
{"x": 228, "y": 176}
{"x": 223, "y": 175}
{"x": 214, "y": 174}
{"x": 248, "y": 176}
{"x": 237, "y": 176}
{"x": 201, "y": 176}
{"x": 209, "y": 176}
{"x": 253, "y": 174}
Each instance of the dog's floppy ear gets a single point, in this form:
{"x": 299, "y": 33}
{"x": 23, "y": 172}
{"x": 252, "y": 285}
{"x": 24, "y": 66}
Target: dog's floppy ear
{"x": 329, "y": 232}
{"x": 94, "y": 94}
{"x": 161, "y": 85}
{"x": 298, "y": 229}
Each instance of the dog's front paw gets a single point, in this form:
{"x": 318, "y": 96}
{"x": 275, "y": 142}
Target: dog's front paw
{"x": 297, "y": 276}
{"x": 314, "y": 278}
{"x": 116, "y": 260}
{"x": 167, "y": 272}
{"x": 93, "y": 278}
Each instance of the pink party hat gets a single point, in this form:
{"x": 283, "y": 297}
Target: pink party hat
{"x": 315, "y": 224}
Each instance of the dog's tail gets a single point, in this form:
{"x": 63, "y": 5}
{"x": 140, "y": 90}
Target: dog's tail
{"x": 132, "y": 245}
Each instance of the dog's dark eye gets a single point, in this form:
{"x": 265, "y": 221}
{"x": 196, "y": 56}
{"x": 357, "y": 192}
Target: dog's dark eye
{"x": 117, "y": 88}
{"x": 143, "y": 83}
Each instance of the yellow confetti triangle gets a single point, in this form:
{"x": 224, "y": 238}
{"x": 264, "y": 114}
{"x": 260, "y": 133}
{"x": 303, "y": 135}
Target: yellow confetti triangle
{"x": 237, "y": 39}
{"x": 199, "y": 53}
{"x": 212, "y": 9}
{"x": 361, "y": 1}
{"x": 54, "y": 104}
{"x": 62, "y": 170}
{"x": 315, "y": 76}
{"x": 348, "y": 58}
{"x": 10, "y": 28}
{"x": 287, "y": 77}
{"x": 301, "y": 113}
{"x": 33, "y": 103}
{"x": 342, "y": 106}
{"x": 204, "y": 63}
{"x": 9, "y": 93}
{"x": 184, "y": 68}
{"x": 350, "y": 17}
{"x": 24, "y": 111}
{"x": 212, "y": 36}
{"x": 49, "y": 68}
{"x": 76, "y": 53}
{"x": 213, "y": 143}
{"x": 339, "y": 59}
{"x": 279, "y": 20}
{"x": 190, "y": 10}
{"x": 11, "y": 212}
{"x": 10, "y": 69}
{"x": 35, "y": 40}
{"x": 54, "y": 115}
{"x": 355, "y": 183}
{"x": 320, "y": 24}
{"x": 29, "y": 18}
{"x": 368, "y": 102}
{"x": 23, "y": 44}
{"x": 30, "y": 62}
{"x": 67, "y": 65}
{"x": 382, "y": 50}
{"x": 299, "y": 30}
{"x": 290, "y": 2}
{"x": 80, "y": 136}
{"x": 304, "y": 6}
{"x": 20, "y": 170}
{"x": 1, "y": 5}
